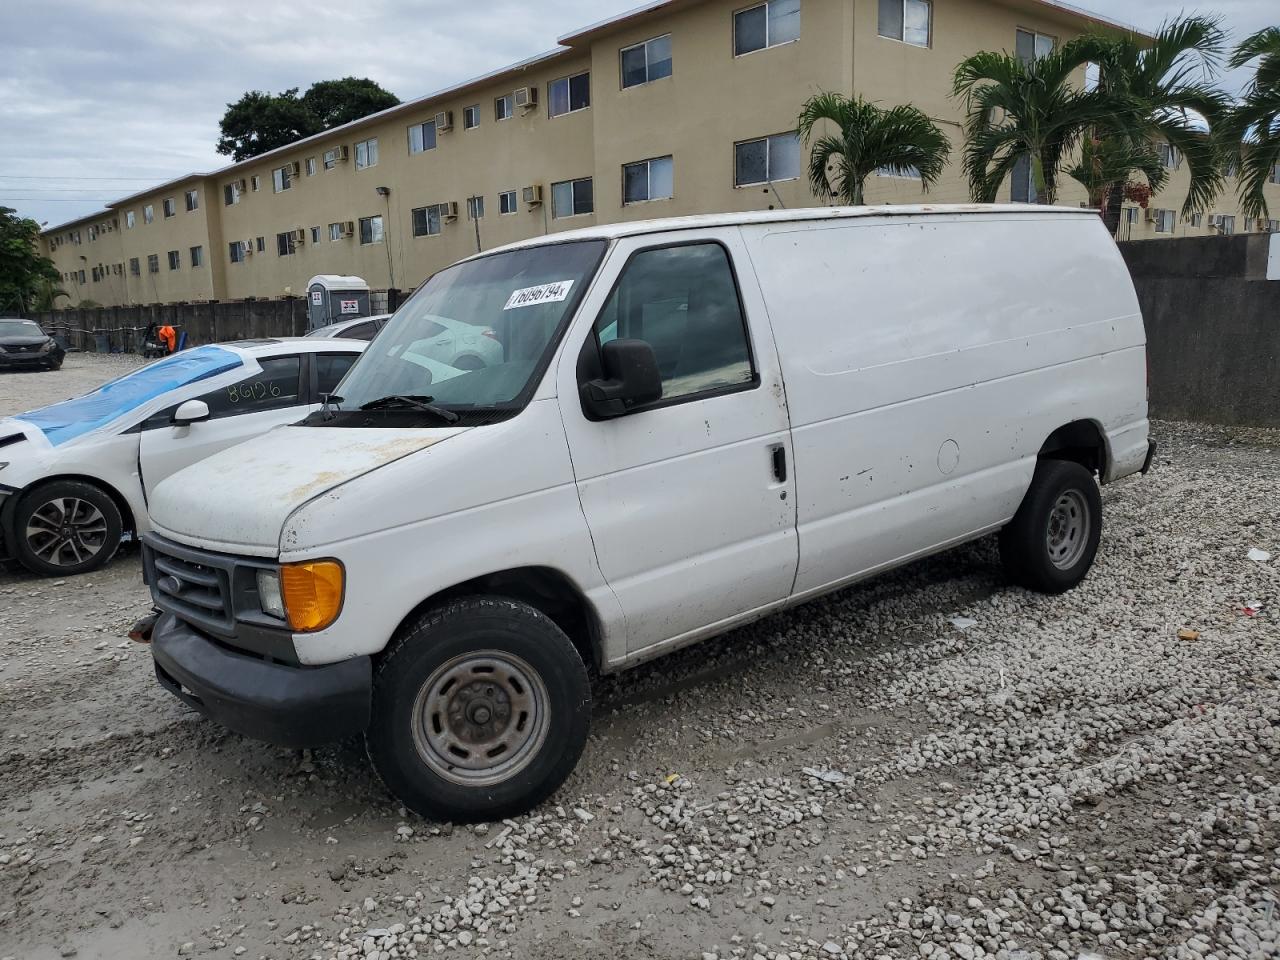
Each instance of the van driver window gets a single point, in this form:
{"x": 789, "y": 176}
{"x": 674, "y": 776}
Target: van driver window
{"x": 684, "y": 303}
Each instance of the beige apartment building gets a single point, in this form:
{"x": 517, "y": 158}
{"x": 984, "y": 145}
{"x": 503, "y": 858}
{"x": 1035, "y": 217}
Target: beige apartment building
{"x": 679, "y": 107}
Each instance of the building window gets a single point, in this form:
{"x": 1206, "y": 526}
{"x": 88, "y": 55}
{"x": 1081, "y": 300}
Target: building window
{"x": 572, "y": 198}
{"x": 231, "y": 193}
{"x": 1197, "y": 219}
{"x": 648, "y": 180}
{"x": 130, "y": 220}
{"x": 337, "y": 231}
{"x": 153, "y": 263}
{"x": 422, "y": 136}
{"x": 1023, "y": 186}
{"x": 236, "y": 249}
{"x": 1131, "y": 215}
{"x": 910, "y": 21}
{"x": 569, "y": 94}
{"x": 371, "y": 229}
{"x": 175, "y": 260}
{"x": 898, "y": 173}
{"x": 646, "y": 62}
{"x": 427, "y": 220}
{"x": 261, "y": 244}
{"x": 766, "y": 25}
{"x": 93, "y": 233}
{"x": 1273, "y": 226}
{"x": 1164, "y": 221}
{"x": 1249, "y": 224}
{"x": 503, "y": 108}
{"x": 766, "y": 160}
{"x": 1227, "y": 225}
{"x": 1275, "y": 174}
{"x": 1168, "y": 155}
{"x": 311, "y": 166}
{"x": 367, "y": 153}
{"x": 286, "y": 246}
{"x": 315, "y": 235}
{"x": 1031, "y": 46}
{"x": 135, "y": 268}
{"x": 471, "y": 117}
{"x": 475, "y": 208}
{"x": 148, "y": 216}
{"x": 507, "y": 203}
{"x": 197, "y": 256}
{"x": 170, "y": 208}
{"x": 193, "y": 201}
{"x": 280, "y": 180}
{"x": 254, "y": 183}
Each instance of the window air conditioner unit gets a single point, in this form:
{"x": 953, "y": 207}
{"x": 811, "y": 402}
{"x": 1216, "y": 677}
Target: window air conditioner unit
{"x": 449, "y": 210}
{"x": 533, "y": 195}
{"x": 336, "y": 154}
{"x": 240, "y": 185}
{"x": 300, "y": 235}
{"x": 246, "y": 247}
{"x": 293, "y": 169}
{"x": 349, "y": 228}
{"x": 526, "y": 98}
{"x": 444, "y": 121}
{"x": 1152, "y": 215}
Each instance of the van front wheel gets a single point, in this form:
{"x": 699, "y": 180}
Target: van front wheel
{"x": 481, "y": 710}
{"x": 1052, "y": 540}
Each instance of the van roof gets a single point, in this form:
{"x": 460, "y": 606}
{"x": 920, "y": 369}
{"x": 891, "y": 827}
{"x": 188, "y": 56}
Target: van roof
{"x": 610, "y": 231}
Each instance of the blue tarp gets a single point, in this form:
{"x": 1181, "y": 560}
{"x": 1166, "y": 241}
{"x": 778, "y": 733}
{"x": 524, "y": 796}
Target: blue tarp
{"x": 73, "y": 418}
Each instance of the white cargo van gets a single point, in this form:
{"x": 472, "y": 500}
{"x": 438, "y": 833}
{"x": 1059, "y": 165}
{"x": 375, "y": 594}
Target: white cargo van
{"x": 691, "y": 423}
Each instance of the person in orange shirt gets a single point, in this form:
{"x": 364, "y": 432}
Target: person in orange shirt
{"x": 169, "y": 337}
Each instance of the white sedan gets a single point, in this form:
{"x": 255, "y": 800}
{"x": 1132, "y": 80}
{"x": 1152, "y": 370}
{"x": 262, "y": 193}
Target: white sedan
{"x": 75, "y": 476}
{"x": 464, "y": 346}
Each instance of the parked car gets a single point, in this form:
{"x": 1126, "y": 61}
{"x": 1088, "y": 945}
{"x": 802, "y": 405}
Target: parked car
{"x": 24, "y": 345}
{"x": 464, "y": 346}
{"x": 76, "y": 476}
{"x": 695, "y": 422}
{"x": 357, "y": 328}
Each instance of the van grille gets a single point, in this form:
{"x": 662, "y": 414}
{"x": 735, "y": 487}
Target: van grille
{"x": 193, "y": 585}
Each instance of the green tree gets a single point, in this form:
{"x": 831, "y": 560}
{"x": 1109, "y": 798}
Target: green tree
{"x": 22, "y": 267}
{"x": 868, "y": 138}
{"x": 1252, "y": 129}
{"x": 1029, "y": 113}
{"x": 1109, "y": 168}
{"x": 47, "y": 295}
{"x": 1166, "y": 86}
{"x": 259, "y": 121}
{"x": 332, "y": 103}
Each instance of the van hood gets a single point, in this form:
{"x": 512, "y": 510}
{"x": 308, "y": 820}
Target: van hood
{"x": 237, "y": 501}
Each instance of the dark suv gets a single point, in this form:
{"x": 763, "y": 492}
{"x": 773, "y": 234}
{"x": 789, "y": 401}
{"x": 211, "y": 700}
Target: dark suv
{"x": 24, "y": 344}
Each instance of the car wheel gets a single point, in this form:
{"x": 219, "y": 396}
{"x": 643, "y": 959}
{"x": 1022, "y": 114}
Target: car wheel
{"x": 1052, "y": 540}
{"x": 55, "y": 364}
{"x": 66, "y": 527}
{"x": 480, "y": 711}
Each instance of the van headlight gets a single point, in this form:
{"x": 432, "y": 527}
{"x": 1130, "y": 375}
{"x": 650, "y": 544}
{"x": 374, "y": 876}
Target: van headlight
{"x": 307, "y": 596}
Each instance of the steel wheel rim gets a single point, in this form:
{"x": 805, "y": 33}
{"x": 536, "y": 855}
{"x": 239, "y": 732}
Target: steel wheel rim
{"x": 66, "y": 531}
{"x": 1067, "y": 533}
{"x": 481, "y": 718}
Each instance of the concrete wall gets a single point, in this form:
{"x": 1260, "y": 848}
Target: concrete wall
{"x": 1213, "y": 328}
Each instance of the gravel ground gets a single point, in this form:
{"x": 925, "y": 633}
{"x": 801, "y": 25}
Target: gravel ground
{"x": 930, "y": 765}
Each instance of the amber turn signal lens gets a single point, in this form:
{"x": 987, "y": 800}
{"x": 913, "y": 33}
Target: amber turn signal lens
{"x": 312, "y": 594}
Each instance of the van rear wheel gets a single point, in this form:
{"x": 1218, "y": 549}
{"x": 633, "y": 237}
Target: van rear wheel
{"x": 481, "y": 710}
{"x": 1052, "y": 540}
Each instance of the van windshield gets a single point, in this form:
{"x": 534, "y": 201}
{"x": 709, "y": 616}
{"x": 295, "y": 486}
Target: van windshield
{"x": 475, "y": 338}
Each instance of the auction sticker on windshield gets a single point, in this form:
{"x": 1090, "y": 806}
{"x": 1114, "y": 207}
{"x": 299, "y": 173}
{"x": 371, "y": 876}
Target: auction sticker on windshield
{"x": 543, "y": 293}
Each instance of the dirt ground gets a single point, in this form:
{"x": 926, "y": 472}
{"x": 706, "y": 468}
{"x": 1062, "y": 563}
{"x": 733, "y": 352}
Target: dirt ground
{"x": 933, "y": 764}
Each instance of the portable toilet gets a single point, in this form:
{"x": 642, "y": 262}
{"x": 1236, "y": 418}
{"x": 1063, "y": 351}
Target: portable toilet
{"x": 332, "y": 298}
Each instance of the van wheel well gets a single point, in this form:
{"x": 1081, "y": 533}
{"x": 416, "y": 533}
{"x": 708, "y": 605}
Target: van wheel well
{"x": 547, "y": 591}
{"x": 1080, "y": 442}
{"x": 126, "y": 514}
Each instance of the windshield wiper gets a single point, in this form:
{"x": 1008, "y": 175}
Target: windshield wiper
{"x": 411, "y": 403}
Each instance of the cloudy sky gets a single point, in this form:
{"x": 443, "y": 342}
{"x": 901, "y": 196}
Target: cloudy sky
{"x": 98, "y": 89}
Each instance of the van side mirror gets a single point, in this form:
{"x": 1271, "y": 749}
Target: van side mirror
{"x": 631, "y": 378}
{"x": 193, "y": 411}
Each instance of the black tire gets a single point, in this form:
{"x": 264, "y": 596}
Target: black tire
{"x": 55, "y": 364}
{"x": 430, "y": 687}
{"x": 1052, "y": 540}
{"x": 87, "y": 539}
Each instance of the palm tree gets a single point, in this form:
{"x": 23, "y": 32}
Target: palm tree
{"x": 1107, "y": 168}
{"x": 1027, "y": 112}
{"x": 47, "y": 295}
{"x": 1166, "y": 96}
{"x": 902, "y": 140}
{"x": 1253, "y": 127}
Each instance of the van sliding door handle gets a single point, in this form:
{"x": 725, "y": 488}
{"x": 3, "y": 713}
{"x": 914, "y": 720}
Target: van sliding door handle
{"x": 780, "y": 463}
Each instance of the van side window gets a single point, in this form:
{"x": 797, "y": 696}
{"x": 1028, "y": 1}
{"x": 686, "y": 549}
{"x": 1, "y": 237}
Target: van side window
{"x": 683, "y": 301}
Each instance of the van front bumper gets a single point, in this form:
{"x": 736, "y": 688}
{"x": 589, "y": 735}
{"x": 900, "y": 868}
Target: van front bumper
{"x": 292, "y": 706}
